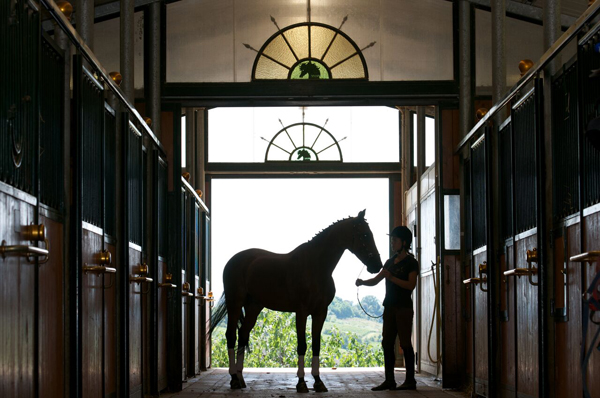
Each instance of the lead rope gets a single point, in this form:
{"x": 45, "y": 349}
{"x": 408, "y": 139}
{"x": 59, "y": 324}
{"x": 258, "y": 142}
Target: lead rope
{"x": 358, "y": 299}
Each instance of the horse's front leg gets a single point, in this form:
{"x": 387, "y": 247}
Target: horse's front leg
{"x": 317, "y": 326}
{"x": 301, "y": 335}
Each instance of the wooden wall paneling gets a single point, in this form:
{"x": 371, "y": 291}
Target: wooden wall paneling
{"x": 16, "y": 303}
{"x": 592, "y": 243}
{"x": 468, "y": 312}
{"x": 135, "y": 324}
{"x": 568, "y": 334}
{"x": 51, "y": 313}
{"x": 428, "y": 346}
{"x": 507, "y": 327}
{"x": 110, "y": 328}
{"x": 162, "y": 327}
{"x": 450, "y": 140}
{"x": 527, "y": 323}
{"x": 480, "y": 318}
{"x": 93, "y": 317}
{"x": 453, "y": 345}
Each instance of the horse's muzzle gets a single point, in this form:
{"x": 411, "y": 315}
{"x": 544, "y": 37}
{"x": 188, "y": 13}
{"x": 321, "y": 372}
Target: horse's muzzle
{"x": 374, "y": 264}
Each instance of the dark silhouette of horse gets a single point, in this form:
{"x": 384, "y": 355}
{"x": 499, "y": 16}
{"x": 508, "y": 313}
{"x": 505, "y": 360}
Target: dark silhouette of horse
{"x": 299, "y": 281}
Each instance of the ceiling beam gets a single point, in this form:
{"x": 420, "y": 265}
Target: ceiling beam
{"x": 526, "y": 11}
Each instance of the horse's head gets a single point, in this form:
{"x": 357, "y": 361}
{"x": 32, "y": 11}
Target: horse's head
{"x": 363, "y": 245}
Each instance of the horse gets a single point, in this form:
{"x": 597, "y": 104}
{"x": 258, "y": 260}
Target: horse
{"x": 299, "y": 281}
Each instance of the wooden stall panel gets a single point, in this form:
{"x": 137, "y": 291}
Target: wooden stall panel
{"x": 592, "y": 243}
{"x": 197, "y": 317}
{"x": 51, "y": 314}
{"x": 16, "y": 303}
{"x": 135, "y": 324}
{"x": 428, "y": 356}
{"x": 453, "y": 353}
{"x": 568, "y": 334}
{"x": 480, "y": 345}
{"x": 93, "y": 312}
{"x": 526, "y": 303}
{"x": 110, "y": 329}
{"x": 507, "y": 326}
{"x": 162, "y": 326}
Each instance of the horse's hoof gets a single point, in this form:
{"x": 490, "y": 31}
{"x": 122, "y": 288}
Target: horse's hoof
{"x": 235, "y": 384}
{"x": 320, "y": 386}
{"x": 301, "y": 387}
{"x": 242, "y": 383}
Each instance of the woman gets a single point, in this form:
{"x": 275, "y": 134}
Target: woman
{"x": 400, "y": 273}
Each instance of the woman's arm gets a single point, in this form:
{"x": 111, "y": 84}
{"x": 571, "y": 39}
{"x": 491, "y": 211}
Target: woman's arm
{"x": 373, "y": 281}
{"x": 410, "y": 284}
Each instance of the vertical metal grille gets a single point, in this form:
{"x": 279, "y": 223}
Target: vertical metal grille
{"x": 19, "y": 100}
{"x": 478, "y": 200}
{"x": 468, "y": 211}
{"x": 51, "y": 125}
{"x": 162, "y": 209}
{"x": 523, "y": 120}
{"x": 110, "y": 183}
{"x": 505, "y": 148}
{"x": 588, "y": 59}
{"x": 92, "y": 134}
{"x": 565, "y": 145}
{"x": 134, "y": 165}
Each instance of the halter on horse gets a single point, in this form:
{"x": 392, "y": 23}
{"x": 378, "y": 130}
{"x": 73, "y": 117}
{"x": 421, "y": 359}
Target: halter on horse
{"x": 299, "y": 281}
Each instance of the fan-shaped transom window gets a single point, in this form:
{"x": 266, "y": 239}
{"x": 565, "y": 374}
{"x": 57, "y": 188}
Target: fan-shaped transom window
{"x": 310, "y": 50}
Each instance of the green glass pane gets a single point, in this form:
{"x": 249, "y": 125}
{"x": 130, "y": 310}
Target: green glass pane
{"x": 309, "y": 69}
{"x": 320, "y": 38}
{"x": 267, "y": 69}
{"x": 280, "y": 51}
{"x": 351, "y": 69}
{"x": 298, "y": 39}
{"x": 340, "y": 49}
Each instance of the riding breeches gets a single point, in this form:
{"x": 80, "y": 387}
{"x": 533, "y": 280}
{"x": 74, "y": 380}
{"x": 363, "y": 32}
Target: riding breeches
{"x": 398, "y": 322}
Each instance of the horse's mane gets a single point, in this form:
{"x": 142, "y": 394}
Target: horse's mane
{"x": 319, "y": 235}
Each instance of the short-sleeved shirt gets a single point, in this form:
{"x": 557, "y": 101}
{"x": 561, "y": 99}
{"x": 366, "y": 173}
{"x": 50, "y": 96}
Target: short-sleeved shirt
{"x": 396, "y": 296}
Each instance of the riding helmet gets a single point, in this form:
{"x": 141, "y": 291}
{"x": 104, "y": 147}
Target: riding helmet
{"x": 403, "y": 233}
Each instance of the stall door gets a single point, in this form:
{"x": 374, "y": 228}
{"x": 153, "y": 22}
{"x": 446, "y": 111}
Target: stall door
{"x": 166, "y": 287}
{"x": 51, "y": 214}
{"x": 206, "y": 303}
{"x": 137, "y": 267}
{"x": 520, "y": 277}
{"x": 18, "y": 198}
{"x": 96, "y": 272}
{"x": 477, "y": 288}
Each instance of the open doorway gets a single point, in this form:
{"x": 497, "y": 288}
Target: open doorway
{"x": 278, "y": 214}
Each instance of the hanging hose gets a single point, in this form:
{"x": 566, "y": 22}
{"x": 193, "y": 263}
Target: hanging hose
{"x": 436, "y": 288}
{"x": 360, "y": 304}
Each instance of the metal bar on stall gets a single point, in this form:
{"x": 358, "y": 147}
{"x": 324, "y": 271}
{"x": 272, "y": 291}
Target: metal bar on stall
{"x": 545, "y": 59}
{"x": 85, "y": 51}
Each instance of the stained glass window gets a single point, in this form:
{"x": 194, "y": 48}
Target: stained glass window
{"x": 309, "y": 51}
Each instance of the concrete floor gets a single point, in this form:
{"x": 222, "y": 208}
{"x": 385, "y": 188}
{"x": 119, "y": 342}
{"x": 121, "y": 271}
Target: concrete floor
{"x": 279, "y": 383}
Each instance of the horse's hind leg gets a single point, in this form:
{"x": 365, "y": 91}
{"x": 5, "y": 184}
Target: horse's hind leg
{"x": 301, "y": 334}
{"x": 234, "y": 311}
{"x": 317, "y": 326}
{"x": 251, "y": 314}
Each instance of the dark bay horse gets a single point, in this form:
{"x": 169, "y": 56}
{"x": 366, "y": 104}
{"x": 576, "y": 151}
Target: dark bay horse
{"x": 299, "y": 281}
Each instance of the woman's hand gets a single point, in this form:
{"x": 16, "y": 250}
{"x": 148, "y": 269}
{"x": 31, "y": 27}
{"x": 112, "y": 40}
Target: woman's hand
{"x": 385, "y": 273}
{"x": 359, "y": 282}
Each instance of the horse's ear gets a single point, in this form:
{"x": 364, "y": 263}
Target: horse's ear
{"x": 361, "y": 215}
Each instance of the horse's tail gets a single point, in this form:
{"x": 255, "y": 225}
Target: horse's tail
{"x": 220, "y": 313}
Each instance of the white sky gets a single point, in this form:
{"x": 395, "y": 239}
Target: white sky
{"x": 280, "y": 214}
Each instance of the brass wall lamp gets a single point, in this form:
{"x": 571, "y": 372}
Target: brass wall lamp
{"x": 104, "y": 259}
{"x": 532, "y": 257}
{"x": 185, "y": 292}
{"x": 168, "y": 283}
{"x": 208, "y": 298}
{"x": 32, "y": 233}
{"x": 141, "y": 277}
{"x": 481, "y": 280}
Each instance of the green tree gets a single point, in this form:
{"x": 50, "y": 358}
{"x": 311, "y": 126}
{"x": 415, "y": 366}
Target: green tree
{"x": 273, "y": 343}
